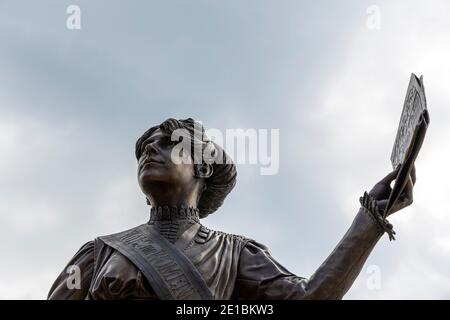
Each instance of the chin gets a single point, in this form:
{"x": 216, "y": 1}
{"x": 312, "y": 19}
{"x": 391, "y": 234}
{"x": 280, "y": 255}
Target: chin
{"x": 149, "y": 177}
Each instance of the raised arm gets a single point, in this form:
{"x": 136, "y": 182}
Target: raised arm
{"x": 261, "y": 277}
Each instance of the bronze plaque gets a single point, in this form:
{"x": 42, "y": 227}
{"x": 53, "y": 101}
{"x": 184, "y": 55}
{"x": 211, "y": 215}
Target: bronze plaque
{"x": 414, "y": 108}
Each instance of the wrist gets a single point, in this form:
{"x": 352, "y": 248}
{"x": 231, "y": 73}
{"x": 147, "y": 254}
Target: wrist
{"x": 370, "y": 206}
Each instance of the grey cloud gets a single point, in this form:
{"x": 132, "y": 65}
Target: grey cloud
{"x": 79, "y": 99}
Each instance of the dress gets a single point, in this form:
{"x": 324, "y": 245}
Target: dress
{"x": 233, "y": 267}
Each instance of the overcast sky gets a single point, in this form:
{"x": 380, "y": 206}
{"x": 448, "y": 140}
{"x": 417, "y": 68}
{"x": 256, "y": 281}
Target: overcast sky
{"x": 73, "y": 102}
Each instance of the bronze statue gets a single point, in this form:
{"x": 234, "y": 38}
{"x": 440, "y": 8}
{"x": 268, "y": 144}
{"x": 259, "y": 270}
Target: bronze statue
{"x": 174, "y": 256}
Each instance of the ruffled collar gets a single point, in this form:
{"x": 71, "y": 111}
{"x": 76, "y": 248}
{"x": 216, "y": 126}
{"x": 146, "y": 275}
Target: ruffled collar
{"x": 174, "y": 213}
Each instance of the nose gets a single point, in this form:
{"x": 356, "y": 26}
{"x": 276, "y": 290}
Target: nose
{"x": 150, "y": 149}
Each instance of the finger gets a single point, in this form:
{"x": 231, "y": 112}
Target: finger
{"x": 407, "y": 195}
{"x": 413, "y": 174}
{"x": 391, "y": 176}
{"x": 409, "y": 191}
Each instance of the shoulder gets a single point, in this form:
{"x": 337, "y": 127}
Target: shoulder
{"x": 85, "y": 255}
{"x": 205, "y": 234}
{"x": 86, "y": 249}
{"x": 79, "y": 269}
{"x": 120, "y": 234}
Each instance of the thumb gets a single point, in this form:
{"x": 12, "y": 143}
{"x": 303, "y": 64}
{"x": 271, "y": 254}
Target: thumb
{"x": 391, "y": 176}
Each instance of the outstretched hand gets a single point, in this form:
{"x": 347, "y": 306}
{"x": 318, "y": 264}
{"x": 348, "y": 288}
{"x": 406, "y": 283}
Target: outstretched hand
{"x": 382, "y": 190}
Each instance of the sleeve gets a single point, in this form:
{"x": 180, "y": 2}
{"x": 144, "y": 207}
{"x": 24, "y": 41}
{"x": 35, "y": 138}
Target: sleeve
{"x": 67, "y": 286}
{"x": 261, "y": 277}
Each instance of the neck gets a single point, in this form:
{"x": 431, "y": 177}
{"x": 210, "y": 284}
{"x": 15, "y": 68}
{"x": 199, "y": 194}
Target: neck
{"x": 171, "y": 222}
{"x": 165, "y": 194}
{"x": 174, "y": 213}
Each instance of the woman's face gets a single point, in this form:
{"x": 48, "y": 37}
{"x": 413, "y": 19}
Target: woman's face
{"x": 157, "y": 163}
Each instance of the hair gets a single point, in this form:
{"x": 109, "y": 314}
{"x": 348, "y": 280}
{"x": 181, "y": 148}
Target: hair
{"x": 223, "y": 178}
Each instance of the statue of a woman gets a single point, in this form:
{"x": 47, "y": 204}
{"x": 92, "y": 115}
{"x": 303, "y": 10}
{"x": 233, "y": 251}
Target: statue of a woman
{"x": 174, "y": 256}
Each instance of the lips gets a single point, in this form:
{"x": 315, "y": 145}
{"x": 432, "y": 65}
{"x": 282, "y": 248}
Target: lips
{"x": 151, "y": 161}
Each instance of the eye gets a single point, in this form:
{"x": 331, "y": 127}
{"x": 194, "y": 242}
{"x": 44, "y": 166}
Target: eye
{"x": 142, "y": 150}
{"x": 145, "y": 145}
{"x": 171, "y": 142}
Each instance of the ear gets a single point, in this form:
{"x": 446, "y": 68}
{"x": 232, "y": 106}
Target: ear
{"x": 204, "y": 170}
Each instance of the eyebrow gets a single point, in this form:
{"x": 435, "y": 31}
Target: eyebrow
{"x": 153, "y": 138}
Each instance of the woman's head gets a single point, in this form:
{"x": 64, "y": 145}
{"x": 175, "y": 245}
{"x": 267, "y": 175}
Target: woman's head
{"x": 194, "y": 169}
